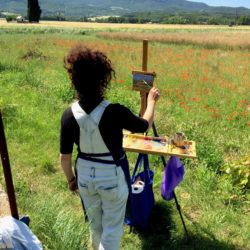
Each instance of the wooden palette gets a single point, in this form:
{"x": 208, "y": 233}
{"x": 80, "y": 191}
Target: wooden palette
{"x": 157, "y": 145}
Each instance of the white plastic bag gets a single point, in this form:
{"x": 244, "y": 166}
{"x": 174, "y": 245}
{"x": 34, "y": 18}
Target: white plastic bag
{"x": 15, "y": 234}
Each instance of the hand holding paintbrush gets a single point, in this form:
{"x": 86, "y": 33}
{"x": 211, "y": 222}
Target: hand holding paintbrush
{"x": 153, "y": 97}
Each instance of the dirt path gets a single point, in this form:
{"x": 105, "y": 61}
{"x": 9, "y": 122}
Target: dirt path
{"x": 4, "y": 203}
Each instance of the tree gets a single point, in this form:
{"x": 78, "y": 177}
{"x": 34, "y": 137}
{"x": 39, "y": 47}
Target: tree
{"x": 244, "y": 20}
{"x": 34, "y": 11}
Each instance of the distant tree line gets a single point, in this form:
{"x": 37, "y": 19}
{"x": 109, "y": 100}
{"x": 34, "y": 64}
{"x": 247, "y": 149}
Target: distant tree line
{"x": 34, "y": 15}
{"x": 244, "y": 20}
{"x": 182, "y": 18}
{"x": 57, "y": 17}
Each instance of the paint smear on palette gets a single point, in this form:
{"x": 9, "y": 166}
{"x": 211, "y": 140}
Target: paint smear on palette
{"x": 147, "y": 145}
{"x": 158, "y": 146}
{"x": 144, "y": 144}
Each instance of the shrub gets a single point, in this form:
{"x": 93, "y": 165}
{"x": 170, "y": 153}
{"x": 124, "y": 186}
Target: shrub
{"x": 238, "y": 172}
{"x": 10, "y": 18}
{"x": 34, "y": 54}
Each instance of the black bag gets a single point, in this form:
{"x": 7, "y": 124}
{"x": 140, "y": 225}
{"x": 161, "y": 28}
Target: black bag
{"x": 141, "y": 198}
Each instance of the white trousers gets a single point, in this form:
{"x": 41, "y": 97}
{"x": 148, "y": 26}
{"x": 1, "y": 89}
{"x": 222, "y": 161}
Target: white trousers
{"x": 104, "y": 192}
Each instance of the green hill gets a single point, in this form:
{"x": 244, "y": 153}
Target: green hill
{"x": 81, "y": 8}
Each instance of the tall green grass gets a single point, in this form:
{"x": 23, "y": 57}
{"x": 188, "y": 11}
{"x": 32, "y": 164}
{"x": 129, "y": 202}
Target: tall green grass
{"x": 204, "y": 93}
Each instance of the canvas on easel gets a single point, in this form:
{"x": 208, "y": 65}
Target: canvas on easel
{"x": 142, "y": 80}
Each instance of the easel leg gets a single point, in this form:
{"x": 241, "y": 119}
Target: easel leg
{"x": 175, "y": 198}
{"x": 7, "y": 171}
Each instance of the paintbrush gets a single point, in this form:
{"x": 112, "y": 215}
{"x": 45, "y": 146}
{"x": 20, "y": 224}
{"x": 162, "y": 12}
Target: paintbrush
{"x": 147, "y": 84}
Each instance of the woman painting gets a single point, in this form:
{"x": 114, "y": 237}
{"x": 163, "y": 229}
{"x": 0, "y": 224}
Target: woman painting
{"x": 95, "y": 126}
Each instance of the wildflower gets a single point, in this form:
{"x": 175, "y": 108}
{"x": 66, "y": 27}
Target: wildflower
{"x": 232, "y": 115}
{"x": 195, "y": 99}
{"x": 242, "y": 103}
{"x": 184, "y": 106}
{"x": 185, "y": 76}
{"x": 205, "y": 79}
{"x": 244, "y": 113}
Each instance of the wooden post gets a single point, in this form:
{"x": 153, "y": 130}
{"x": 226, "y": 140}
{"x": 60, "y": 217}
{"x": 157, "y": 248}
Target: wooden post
{"x": 7, "y": 172}
{"x": 145, "y": 56}
{"x": 144, "y": 68}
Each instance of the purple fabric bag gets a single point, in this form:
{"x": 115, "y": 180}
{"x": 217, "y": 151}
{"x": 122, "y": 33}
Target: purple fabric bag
{"x": 172, "y": 176}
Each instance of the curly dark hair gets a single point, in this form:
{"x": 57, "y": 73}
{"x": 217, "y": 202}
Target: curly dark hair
{"x": 90, "y": 71}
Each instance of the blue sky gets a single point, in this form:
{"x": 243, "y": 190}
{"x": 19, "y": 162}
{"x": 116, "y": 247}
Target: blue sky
{"x": 229, "y": 3}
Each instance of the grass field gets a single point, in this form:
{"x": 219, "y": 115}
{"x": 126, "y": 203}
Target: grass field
{"x": 205, "y": 92}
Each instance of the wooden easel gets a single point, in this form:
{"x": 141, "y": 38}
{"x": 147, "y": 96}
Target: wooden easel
{"x": 144, "y": 68}
{"x": 142, "y": 111}
{"x": 7, "y": 171}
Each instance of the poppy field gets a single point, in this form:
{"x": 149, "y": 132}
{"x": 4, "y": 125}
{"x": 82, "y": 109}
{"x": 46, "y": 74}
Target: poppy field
{"x": 205, "y": 93}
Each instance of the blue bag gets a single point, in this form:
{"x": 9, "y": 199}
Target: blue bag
{"x": 141, "y": 198}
